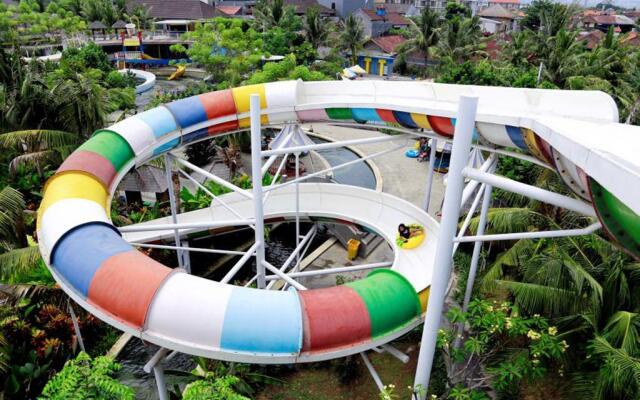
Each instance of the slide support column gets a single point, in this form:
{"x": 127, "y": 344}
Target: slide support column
{"x": 297, "y": 211}
{"x": 256, "y": 176}
{"x": 432, "y": 164}
{"x": 443, "y": 260}
{"x": 168, "y": 168}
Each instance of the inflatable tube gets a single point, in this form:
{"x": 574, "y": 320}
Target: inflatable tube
{"x": 102, "y": 272}
{"x": 412, "y": 153}
{"x": 412, "y": 242}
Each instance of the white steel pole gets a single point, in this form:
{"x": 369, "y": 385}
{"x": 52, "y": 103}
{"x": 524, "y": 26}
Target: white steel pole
{"x": 168, "y": 163}
{"x": 297, "y": 211}
{"x": 256, "y": 176}
{"x": 475, "y": 257}
{"x": 465, "y": 122}
{"x": 432, "y": 164}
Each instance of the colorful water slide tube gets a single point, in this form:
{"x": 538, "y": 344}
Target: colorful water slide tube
{"x": 574, "y": 131}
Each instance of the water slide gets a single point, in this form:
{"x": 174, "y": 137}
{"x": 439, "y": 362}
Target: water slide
{"x": 575, "y": 132}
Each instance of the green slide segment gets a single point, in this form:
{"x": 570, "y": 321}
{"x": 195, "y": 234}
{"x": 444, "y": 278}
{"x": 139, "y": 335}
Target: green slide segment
{"x": 338, "y": 113}
{"x": 390, "y": 298}
{"x": 111, "y": 146}
{"x": 620, "y": 220}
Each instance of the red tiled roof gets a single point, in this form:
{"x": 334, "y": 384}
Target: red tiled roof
{"x": 632, "y": 38}
{"x": 390, "y": 17}
{"x": 388, "y": 44}
{"x": 592, "y": 38}
{"x": 229, "y": 10}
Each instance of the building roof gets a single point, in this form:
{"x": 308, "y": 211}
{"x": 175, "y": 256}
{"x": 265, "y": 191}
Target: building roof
{"x": 229, "y": 10}
{"x": 592, "y": 38}
{"x": 504, "y": 1}
{"x": 496, "y": 11}
{"x": 171, "y": 9}
{"x": 301, "y": 6}
{"x": 388, "y": 44}
{"x": 399, "y": 8}
{"x": 632, "y": 38}
{"x": 390, "y": 17}
{"x": 95, "y": 25}
{"x": 146, "y": 178}
{"x": 609, "y": 19}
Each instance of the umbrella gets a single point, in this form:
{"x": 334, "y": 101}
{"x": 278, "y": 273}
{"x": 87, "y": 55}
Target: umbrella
{"x": 348, "y": 73}
{"x": 358, "y": 69}
{"x": 119, "y": 24}
{"x": 97, "y": 25}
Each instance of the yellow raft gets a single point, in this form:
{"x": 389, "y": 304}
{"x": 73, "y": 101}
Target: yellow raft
{"x": 413, "y": 241}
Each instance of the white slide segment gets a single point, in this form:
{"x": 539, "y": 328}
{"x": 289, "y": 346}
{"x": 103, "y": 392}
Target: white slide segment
{"x": 378, "y": 211}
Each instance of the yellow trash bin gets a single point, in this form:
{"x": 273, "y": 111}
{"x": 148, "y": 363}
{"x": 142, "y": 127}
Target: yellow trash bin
{"x": 352, "y": 248}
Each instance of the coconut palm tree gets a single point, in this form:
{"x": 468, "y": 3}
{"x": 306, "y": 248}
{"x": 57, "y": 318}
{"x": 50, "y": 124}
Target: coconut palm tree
{"x": 424, "y": 35}
{"x": 81, "y": 101}
{"x": 315, "y": 27}
{"x": 17, "y": 255}
{"x": 461, "y": 39}
{"x": 38, "y": 147}
{"x": 271, "y": 13}
{"x": 585, "y": 285}
{"x": 352, "y": 37}
{"x": 561, "y": 56}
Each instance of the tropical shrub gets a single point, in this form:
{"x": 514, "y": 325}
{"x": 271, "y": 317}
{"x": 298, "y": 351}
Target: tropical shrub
{"x": 87, "y": 378}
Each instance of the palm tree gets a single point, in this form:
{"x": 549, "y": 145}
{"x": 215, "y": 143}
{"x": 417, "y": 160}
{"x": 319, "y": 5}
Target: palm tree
{"x": 585, "y": 284}
{"x": 17, "y": 255}
{"x": 315, "y": 27}
{"x": 562, "y": 58}
{"x": 424, "y": 35}
{"x": 352, "y": 38}
{"x": 141, "y": 17}
{"x": 271, "y": 13}
{"x": 461, "y": 39}
{"x": 38, "y": 147}
{"x": 81, "y": 101}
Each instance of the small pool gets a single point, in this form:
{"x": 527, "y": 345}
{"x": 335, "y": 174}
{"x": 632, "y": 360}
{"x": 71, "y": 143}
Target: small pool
{"x": 358, "y": 174}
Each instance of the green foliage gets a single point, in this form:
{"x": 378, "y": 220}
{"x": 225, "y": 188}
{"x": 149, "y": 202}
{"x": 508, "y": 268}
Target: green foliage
{"x": 285, "y": 70}
{"x": 19, "y": 23}
{"x": 86, "y": 378}
{"x": 200, "y": 199}
{"x": 493, "y": 328}
{"x": 213, "y": 388}
{"x": 229, "y": 49}
{"x": 88, "y": 56}
{"x": 454, "y": 10}
{"x": 115, "y": 79}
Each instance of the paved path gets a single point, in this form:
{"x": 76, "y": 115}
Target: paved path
{"x": 402, "y": 176}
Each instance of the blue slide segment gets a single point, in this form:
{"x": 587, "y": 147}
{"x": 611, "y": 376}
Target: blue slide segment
{"x": 262, "y": 321}
{"x": 515, "y": 134}
{"x": 404, "y": 118}
{"x": 187, "y": 112}
{"x": 80, "y": 253}
{"x": 160, "y": 120}
{"x": 365, "y": 114}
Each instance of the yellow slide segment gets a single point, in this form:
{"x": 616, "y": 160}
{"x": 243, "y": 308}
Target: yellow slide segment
{"x": 179, "y": 72}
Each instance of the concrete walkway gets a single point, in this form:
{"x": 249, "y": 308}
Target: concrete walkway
{"x": 402, "y": 176}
